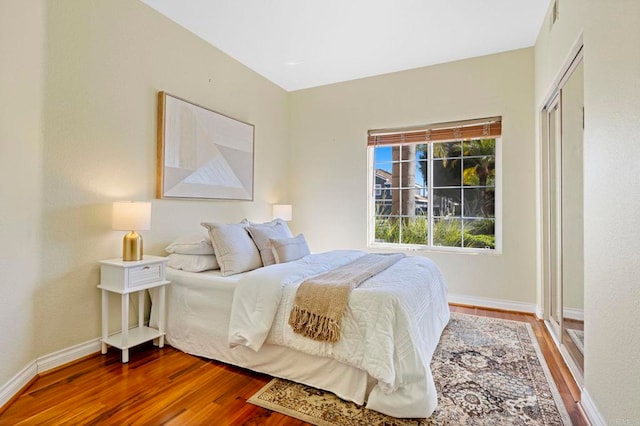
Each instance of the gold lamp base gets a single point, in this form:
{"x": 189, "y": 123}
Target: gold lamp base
{"x": 132, "y": 247}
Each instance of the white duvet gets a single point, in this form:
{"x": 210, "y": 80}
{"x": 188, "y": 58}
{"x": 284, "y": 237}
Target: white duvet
{"x": 391, "y": 327}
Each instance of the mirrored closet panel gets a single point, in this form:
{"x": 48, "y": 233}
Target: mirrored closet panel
{"x": 563, "y": 224}
{"x": 572, "y": 102}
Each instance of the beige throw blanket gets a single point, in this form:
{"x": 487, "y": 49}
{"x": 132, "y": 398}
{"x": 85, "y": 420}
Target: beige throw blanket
{"x": 320, "y": 301}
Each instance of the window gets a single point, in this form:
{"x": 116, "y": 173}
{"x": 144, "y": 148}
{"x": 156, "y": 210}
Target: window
{"x": 435, "y": 186}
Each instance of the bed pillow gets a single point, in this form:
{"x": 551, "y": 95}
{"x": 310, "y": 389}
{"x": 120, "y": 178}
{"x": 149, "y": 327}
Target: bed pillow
{"x": 192, "y": 262}
{"x": 262, "y": 233}
{"x": 191, "y": 244}
{"x": 289, "y": 249}
{"x": 234, "y": 248}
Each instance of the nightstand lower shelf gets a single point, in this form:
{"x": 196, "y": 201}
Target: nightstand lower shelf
{"x": 127, "y": 338}
{"x": 135, "y": 336}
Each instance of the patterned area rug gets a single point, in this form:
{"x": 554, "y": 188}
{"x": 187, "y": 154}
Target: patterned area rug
{"x": 487, "y": 372}
{"x": 578, "y": 338}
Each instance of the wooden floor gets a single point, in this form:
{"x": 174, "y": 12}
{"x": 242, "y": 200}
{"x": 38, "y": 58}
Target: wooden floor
{"x": 168, "y": 387}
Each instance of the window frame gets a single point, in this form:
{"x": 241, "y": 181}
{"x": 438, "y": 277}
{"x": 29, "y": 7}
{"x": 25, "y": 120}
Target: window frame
{"x": 371, "y": 206}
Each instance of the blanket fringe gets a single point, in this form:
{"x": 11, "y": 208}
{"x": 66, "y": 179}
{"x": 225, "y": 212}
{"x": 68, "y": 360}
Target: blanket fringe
{"x": 315, "y": 326}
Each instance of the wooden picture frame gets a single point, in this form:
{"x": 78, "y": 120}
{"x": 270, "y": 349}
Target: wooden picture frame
{"x": 202, "y": 154}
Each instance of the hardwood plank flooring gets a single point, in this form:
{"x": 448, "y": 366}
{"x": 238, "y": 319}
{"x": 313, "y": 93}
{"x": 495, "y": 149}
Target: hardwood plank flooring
{"x": 168, "y": 387}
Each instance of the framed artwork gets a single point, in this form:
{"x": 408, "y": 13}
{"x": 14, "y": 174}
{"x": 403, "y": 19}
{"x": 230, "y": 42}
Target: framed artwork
{"x": 202, "y": 154}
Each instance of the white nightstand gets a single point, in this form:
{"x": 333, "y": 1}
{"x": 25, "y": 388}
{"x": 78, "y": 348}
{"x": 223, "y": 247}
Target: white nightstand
{"x": 121, "y": 277}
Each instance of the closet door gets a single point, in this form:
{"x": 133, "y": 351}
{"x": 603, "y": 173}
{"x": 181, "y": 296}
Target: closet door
{"x": 572, "y": 216}
{"x": 554, "y": 216}
{"x": 563, "y": 209}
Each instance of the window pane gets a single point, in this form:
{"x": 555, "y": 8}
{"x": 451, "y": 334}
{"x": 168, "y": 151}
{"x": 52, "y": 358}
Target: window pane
{"x": 422, "y": 205}
{"x": 479, "y": 171}
{"x": 387, "y": 229}
{"x": 401, "y": 201}
{"x": 407, "y": 152}
{"x": 409, "y": 171}
{"x": 447, "y": 202}
{"x": 415, "y": 230}
{"x": 480, "y": 147}
{"x": 422, "y": 152}
{"x": 382, "y": 157}
{"x": 422, "y": 168}
{"x": 447, "y": 149}
{"x": 382, "y": 206}
{"x": 382, "y": 193}
{"x": 480, "y": 233}
{"x": 447, "y": 232}
{"x": 422, "y": 176}
{"x": 406, "y": 204}
{"x": 447, "y": 172}
{"x": 479, "y": 202}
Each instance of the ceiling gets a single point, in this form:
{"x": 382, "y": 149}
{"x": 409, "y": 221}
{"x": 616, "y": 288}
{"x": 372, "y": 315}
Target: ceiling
{"x": 299, "y": 44}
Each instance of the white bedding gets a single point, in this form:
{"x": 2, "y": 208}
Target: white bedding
{"x": 389, "y": 332}
{"x": 390, "y": 329}
{"x": 198, "y": 311}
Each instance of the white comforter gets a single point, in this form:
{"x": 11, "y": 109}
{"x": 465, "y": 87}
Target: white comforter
{"x": 391, "y": 327}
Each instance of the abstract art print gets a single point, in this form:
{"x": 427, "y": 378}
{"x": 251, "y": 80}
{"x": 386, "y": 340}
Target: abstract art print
{"x": 202, "y": 154}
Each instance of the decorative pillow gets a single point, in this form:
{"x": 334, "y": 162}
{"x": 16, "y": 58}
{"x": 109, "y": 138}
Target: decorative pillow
{"x": 261, "y": 233}
{"x": 192, "y": 262}
{"x": 234, "y": 248}
{"x": 191, "y": 244}
{"x": 289, "y": 249}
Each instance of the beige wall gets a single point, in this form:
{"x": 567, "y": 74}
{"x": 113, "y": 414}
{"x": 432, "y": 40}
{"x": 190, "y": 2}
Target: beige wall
{"x": 21, "y": 93}
{"x": 329, "y": 159}
{"x": 611, "y": 207}
{"x": 81, "y": 131}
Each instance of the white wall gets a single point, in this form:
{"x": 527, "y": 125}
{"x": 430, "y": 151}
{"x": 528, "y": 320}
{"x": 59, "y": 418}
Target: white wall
{"x": 611, "y": 31}
{"x": 81, "y": 88}
{"x": 21, "y": 94}
{"x": 329, "y": 159}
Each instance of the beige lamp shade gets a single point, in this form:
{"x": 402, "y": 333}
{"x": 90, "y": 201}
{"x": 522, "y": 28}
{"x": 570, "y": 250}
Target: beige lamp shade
{"x": 283, "y": 211}
{"x": 132, "y": 217}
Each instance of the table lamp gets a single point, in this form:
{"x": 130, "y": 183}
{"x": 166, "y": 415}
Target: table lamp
{"x": 283, "y": 211}
{"x": 131, "y": 216}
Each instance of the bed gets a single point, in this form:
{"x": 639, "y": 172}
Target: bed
{"x": 390, "y": 329}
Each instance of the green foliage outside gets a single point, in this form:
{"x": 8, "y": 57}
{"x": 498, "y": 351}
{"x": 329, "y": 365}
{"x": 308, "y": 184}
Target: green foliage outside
{"x": 414, "y": 231}
{"x": 446, "y": 232}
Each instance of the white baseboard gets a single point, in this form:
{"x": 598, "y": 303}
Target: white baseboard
{"x": 45, "y": 363}
{"x": 17, "y": 382}
{"x": 67, "y": 355}
{"x": 590, "y": 409}
{"x": 507, "y": 305}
